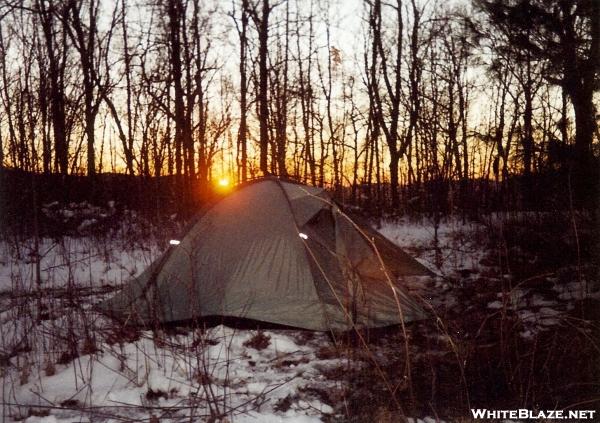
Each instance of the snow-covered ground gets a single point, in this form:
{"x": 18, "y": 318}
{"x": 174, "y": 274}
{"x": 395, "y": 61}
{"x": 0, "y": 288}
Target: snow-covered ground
{"x": 218, "y": 372}
{"x": 81, "y": 261}
{"x": 457, "y": 247}
{"x": 79, "y": 256}
{"x": 62, "y": 362}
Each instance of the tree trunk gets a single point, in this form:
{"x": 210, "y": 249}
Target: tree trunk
{"x": 263, "y": 38}
{"x": 243, "y": 130}
{"x": 57, "y": 100}
{"x": 395, "y": 196}
{"x": 175, "y": 17}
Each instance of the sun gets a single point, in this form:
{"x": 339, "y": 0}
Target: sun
{"x": 223, "y": 185}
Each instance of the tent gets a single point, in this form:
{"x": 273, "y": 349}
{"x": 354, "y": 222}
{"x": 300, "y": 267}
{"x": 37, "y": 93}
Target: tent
{"x": 277, "y": 252}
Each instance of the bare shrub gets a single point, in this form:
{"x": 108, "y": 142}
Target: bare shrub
{"x": 259, "y": 341}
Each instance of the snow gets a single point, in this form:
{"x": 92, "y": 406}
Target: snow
{"x": 254, "y": 417}
{"x": 46, "y": 419}
{"x": 494, "y": 305}
{"x": 577, "y": 290}
{"x": 455, "y": 248}
{"x": 235, "y": 377}
{"x": 198, "y": 372}
{"x": 82, "y": 261}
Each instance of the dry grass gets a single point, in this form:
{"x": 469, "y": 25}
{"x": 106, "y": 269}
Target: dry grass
{"x": 467, "y": 355}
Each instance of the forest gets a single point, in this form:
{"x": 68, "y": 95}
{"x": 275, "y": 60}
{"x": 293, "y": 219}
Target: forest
{"x": 407, "y": 105}
{"x": 460, "y": 138}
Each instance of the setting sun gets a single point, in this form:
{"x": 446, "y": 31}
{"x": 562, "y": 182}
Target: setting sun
{"x": 223, "y": 182}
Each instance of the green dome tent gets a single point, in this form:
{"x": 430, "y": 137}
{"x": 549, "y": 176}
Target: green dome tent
{"x": 276, "y": 252}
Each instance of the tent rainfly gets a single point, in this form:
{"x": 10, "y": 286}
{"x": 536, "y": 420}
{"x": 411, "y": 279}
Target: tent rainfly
{"x": 277, "y": 252}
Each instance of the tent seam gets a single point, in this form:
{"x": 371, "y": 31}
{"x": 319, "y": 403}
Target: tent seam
{"x": 306, "y": 255}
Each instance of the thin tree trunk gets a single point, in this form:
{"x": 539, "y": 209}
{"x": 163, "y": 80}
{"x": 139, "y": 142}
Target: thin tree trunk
{"x": 263, "y": 39}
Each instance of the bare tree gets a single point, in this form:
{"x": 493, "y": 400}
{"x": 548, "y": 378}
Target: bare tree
{"x": 261, "y": 21}
{"x": 55, "y": 39}
{"x": 387, "y": 105}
